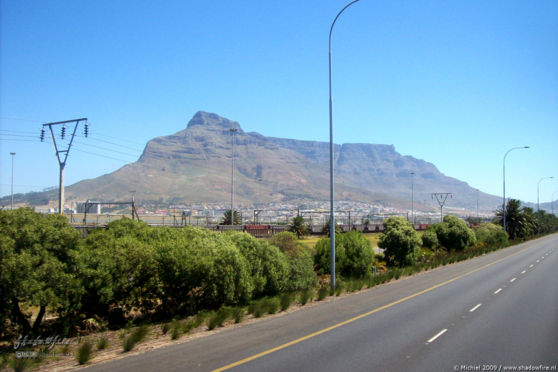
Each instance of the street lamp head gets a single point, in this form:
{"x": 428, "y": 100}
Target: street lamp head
{"x": 526, "y": 147}
{"x": 12, "y": 153}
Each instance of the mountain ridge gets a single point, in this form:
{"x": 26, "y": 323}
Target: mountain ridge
{"x": 193, "y": 165}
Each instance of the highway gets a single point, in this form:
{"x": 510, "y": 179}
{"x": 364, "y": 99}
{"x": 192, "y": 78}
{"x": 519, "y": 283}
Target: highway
{"x": 495, "y": 311}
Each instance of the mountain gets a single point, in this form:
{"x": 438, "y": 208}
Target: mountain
{"x": 194, "y": 165}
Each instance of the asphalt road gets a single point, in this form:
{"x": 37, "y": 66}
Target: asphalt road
{"x": 492, "y": 312}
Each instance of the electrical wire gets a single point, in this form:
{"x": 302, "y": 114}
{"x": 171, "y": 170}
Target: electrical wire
{"x": 106, "y": 149}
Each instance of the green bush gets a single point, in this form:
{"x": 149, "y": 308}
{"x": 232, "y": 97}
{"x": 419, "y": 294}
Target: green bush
{"x": 400, "y": 241}
{"x": 285, "y": 300}
{"x": 218, "y": 318}
{"x": 84, "y": 353}
{"x": 454, "y": 234}
{"x": 429, "y": 238}
{"x": 36, "y": 262}
{"x": 288, "y": 243}
{"x": 322, "y": 293}
{"x": 305, "y": 296}
{"x": 271, "y": 305}
{"x": 102, "y": 343}
{"x": 359, "y": 255}
{"x": 491, "y": 235}
{"x": 117, "y": 270}
{"x": 322, "y": 258}
{"x": 268, "y": 266}
{"x": 238, "y": 314}
{"x": 200, "y": 269}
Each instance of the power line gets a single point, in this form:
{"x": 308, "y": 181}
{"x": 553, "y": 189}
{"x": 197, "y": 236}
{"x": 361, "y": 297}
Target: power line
{"x": 106, "y": 149}
{"x": 103, "y": 156}
{"x": 17, "y": 131}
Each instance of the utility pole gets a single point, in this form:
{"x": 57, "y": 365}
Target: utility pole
{"x": 62, "y": 159}
{"x": 413, "y": 199}
{"x": 233, "y": 131}
{"x": 13, "y": 155}
{"x": 441, "y": 197}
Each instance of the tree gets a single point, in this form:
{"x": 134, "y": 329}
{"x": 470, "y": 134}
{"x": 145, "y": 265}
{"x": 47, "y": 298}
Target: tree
{"x": 326, "y": 229}
{"x": 400, "y": 241}
{"x": 491, "y": 234}
{"x": 520, "y": 222}
{"x": 454, "y": 233}
{"x": 227, "y": 218}
{"x": 429, "y": 238}
{"x": 298, "y": 226}
{"x": 359, "y": 255}
{"x": 35, "y": 266}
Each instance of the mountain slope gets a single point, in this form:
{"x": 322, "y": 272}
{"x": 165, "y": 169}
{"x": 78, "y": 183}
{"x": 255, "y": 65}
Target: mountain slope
{"x": 194, "y": 165}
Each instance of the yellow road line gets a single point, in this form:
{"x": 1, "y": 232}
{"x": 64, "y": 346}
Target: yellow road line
{"x": 311, "y": 335}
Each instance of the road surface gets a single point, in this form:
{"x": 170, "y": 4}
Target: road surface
{"x": 489, "y": 313}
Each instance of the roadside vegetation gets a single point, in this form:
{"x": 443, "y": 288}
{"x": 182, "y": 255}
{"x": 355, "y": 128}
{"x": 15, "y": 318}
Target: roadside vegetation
{"x": 142, "y": 281}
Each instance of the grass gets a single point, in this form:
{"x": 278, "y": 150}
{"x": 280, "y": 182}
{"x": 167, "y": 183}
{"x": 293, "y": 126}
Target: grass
{"x": 305, "y": 296}
{"x": 238, "y": 314}
{"x": 137, "y": 336}
{"x": 84, "y": 353}
{"x": 310, "y": 241}
{"x": 323, "y": 292}
{"x": 285, "y": 301}
{"x": 218, "y": 318}
{"x": 102, "y": 343}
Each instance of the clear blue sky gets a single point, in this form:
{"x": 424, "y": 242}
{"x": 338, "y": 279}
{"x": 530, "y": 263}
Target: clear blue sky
{"x": 456, "y": 83}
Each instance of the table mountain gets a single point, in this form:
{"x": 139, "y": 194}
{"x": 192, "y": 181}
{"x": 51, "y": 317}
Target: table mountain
{"x": 194, "y": 165}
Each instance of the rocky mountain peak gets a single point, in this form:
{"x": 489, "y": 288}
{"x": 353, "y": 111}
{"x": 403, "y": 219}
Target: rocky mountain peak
{"x": 212, "y": 121}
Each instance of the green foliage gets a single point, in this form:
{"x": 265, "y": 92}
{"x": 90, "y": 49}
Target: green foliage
{"x": 118, "y": 268}
{"x": 288, "y": 243}
{"x": 327, "y": 229}
{"x": 322, "y": 258}
{"x": 305, "y": 296}
{"x": 430, "y": 239}
{"x": 491, "y": 234}
{"x": 285, "y": 301}
{"x": 136, "y": 337}
{"x": 238, "y": 314}
{"x": 301, "y": 263}
{"x": 271, "y": 305}
{"x": 237, "y": 219}
{"x": 520, "y": 222}
{"x": 400, "y": 241}
{"x": 359, "y": 255}
{"x": 298, "y": 227}
{"x": 454, "y": 234}
{"x": 199, "y": 269}
{"x": 36, "y": 265}
{"x": 268, "y": 266}
{"x": 102, "y": 343}
{"x": 218, "y": 318}
{"x": 84, "y": 353}
{"x": 322, "y": 293}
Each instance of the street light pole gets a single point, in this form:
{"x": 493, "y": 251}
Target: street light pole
{"x": 412, "y": 199}
{"x": 331, "y": 189}
{"x": 13, "y": 155}
{"x": 504, "y": 178}
{"x": 538, "y": 186}
{"x": 233, "y": 131}
{"x": 554, "y": 193}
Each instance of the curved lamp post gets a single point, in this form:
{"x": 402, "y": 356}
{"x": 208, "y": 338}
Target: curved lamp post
{"x": 331, "y": 210}
{"x": 504, "y": 168}
{"x": 13, "y": 155}
{"x": 538, "y": 187}
{"x": 554, "y": 193}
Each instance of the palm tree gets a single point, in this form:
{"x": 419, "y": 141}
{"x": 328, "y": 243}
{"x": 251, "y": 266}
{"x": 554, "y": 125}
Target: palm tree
{"x": 298, "y": 226}
{"x": 237, "y": 220}
{"x": 520, "y": 222}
